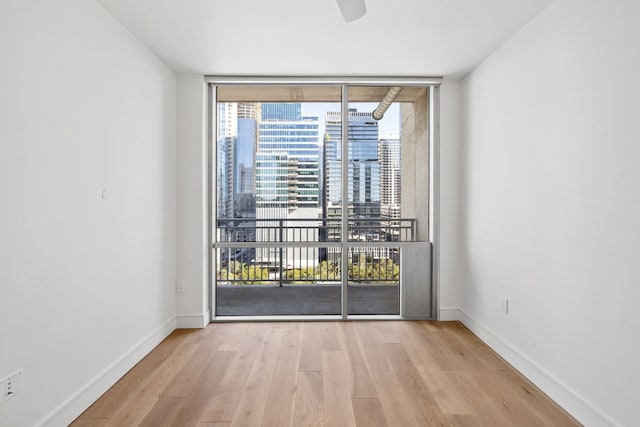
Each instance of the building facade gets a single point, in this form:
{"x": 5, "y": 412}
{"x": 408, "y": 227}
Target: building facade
{"x": 363, "y": 198}
{"x": 363, "y": 182}
{"x": 285, "y": 132}
{"x": 287, "y": 181}
{"x": 389, "y": 158}
{"x": 237, "y": 141}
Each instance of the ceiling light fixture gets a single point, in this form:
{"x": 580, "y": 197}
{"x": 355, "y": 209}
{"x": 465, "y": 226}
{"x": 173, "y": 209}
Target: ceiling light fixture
{"x": 352, "y": 9}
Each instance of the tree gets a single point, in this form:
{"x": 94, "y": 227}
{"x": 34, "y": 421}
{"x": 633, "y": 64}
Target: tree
{"x": 327, "y": 271}
{"x": 241, "y": 273}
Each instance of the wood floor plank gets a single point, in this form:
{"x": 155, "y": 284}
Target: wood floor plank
{"x": 374, "y": 354}
{"x": 279, "y": 408}
{"x": 253, "y": 401}
{"x": 330, "y": 340}
{"x": 463, "y": 420}
{"x": 369, "y": 413}
{"x": 484, "y": 354}
{"x": 448, "y": 352}
{"x": 424, "y": 406}
{"x": 539, "y": 404}
{"x": 465, "y": 357}
{"x": 308, "y": 405}
{"x": 90, "y": 422}
{"x": 196, "y": 402}
{"x": 509, "y": 404}
{"x": 400, "y": 373}
{"x": 484, "y": 408}
{"x": 161, "y": 414}
{"x": 433, "y": 345}
{"x": 193, "y": 369}
{"x": 442, "y": 387}
{"x": 396, "y": 406}
{"x": 337, "y": 410}
{"x": 311, "y": 352}
{"x": 363, "y": 386}
{"x": 225, "y": 400}
{"x": 247, "y": 331}
{"x": 134, "y": 410}
{"x": 127, "y": 387}
{"x": 385, "y": 331}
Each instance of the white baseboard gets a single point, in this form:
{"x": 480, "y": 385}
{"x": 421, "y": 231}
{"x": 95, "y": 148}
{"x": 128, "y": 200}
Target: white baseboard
{"x": 193, "y": 321}
{"x": 583, "y": 410}
{"x": 447, "y": 314}
{"x": 77, "y": 403}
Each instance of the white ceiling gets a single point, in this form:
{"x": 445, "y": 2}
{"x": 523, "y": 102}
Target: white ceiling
{"x": 309, "y": 37}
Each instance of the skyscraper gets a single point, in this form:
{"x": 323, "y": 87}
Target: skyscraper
{"x": 389, "y": 157}
{"x": 363, "y": 198}
{"x": 363, "y": 179}
{"x": 287, "y": 176}
{"x": 244, "y": 168}
{"x": 249, "y": 110}
{"x": 281, "y": 111}
{"x": 227, "y": 132}
{"x": 237, "y": 139}
{"x": 284, "y": 131}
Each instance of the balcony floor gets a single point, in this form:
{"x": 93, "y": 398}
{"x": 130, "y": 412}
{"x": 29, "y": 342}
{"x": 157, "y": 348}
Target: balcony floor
{"x": 265, "y": 300}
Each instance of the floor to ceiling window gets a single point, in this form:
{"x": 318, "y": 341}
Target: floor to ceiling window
{"x": 304, "y": 225}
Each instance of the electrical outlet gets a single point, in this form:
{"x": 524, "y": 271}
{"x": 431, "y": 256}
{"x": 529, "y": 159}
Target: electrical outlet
{"x": 180, "y": 287}
{"x": 504, "y": 305}
{"x": 10, "y": 386}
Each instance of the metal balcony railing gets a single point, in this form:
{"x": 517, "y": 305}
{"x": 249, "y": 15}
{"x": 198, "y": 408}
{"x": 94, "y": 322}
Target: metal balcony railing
{"x": 307, "y": 263}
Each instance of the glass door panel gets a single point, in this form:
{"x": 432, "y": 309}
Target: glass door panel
{"x": 275, "y": 218}
{"x": 382, "y": 163}
{"x": 285, "y": 183}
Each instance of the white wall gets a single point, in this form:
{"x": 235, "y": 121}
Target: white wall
{"x": 192, "y": 206}
{"x": 550, "y": 204}
{"x": 86, "y": 284}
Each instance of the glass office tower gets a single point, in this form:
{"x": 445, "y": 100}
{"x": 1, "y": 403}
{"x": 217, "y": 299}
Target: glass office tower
{"x": 363, "y": 166}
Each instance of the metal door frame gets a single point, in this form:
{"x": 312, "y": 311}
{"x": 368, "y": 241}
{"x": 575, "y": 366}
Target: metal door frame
{"x": 433, "y": 83}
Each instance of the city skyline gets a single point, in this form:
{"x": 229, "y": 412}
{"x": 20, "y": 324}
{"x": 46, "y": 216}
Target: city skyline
{"x": 282, "y": 155}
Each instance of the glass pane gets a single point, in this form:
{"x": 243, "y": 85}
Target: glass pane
{"x": 375, "y": 168}
{"x": 272, "y": 176}
{"x": 249, "y": 288}
{"x": 374, "y": 281}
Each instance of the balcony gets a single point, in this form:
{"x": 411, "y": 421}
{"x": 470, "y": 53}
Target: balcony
{"x": 307, "y": 257}
{"x": 293, "y": 266}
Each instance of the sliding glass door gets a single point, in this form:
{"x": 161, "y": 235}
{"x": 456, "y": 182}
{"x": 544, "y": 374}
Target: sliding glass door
{"x": 304, "y": 224}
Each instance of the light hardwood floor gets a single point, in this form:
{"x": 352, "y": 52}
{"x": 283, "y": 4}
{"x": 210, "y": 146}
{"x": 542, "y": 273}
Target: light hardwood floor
{"x": 374, "y": 373}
